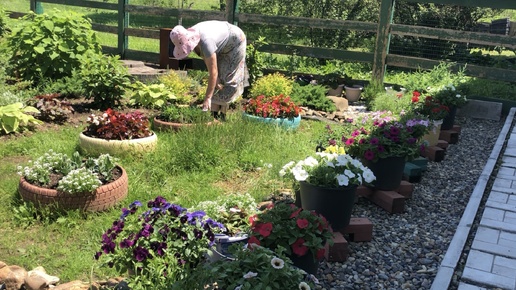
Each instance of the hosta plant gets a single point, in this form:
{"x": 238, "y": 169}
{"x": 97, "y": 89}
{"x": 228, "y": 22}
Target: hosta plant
{"x": 16, "y": 116}
{"x": 150, "y": 96}
{"x": 114, "y": 125}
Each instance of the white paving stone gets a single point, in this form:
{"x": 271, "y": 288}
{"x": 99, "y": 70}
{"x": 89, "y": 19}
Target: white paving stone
{"x": 487, "y": 235}
{"x": 486, "y": 278}
{"x": 480, "y": 260}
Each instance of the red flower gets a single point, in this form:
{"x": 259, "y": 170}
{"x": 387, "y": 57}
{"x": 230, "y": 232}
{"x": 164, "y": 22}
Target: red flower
{"x": 252, "y": 219}
{"x": 415, "y": 99}
{"x": 299, "y": 248}
{"x": 263, "y": 229}
{"x": 294, "y": 214}
{"x": 253, "y": 240}
{"x": 302, "y": 223}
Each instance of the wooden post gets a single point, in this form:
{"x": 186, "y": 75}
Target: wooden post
{"x": 123, "y": 23}
{"x": 36, "y": 6}
{"x": 382, "y": 39}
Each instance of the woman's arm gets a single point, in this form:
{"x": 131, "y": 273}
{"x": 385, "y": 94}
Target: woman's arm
{"x": 211, "y": 64}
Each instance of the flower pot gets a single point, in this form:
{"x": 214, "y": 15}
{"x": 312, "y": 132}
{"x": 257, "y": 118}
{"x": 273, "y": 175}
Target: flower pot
{"x": 98, "y": 146}
{"x": 289, "y": 124}
{"x": 449, "y": 120}
{"x": 306, "y": 263}
{"x": 388, "y": 172}
{"x": 353, "y": 93}
{"x": 432, "y": 137}
{"x": 172, "y": 126}
{"x": 104, "y": 197}
{"x": 335, "y": 92}
{"x": 222, "y": 243}
{"x": 335, "y": 204}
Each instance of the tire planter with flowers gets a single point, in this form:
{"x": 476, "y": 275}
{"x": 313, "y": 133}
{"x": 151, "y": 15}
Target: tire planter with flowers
{"x": 97, "y": 146}
{"x": 289, "y": 124}
{"x": 161, "y": 125}
{"x": 103, "y": 198}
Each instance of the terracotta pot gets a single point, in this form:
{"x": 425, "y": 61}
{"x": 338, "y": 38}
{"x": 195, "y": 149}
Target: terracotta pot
{"x": 104, "y": 197}
{"x": 98, "y": 146}
{"x": 172, "y": 126}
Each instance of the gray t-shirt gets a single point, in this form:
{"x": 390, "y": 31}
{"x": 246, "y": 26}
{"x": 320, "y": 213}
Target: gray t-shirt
{"x": 214, "y": 36}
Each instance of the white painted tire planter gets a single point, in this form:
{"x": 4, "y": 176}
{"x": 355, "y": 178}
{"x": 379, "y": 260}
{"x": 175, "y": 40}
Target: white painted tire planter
{"x": 97, "y": 146}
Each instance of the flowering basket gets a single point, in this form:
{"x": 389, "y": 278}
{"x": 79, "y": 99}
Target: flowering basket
{"x": 429, "y": 106}
{"x": 272, "y": 107}
{"x": 381, "y": 136}
{"x": 161, "y": 243}
{"x": 328, "y": 170}
{"x": 113, "y": 125}
{"x": 449, "y": 96}
{"x": 300, "y": 232}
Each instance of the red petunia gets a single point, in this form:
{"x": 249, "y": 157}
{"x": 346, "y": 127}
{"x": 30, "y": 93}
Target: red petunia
{"x": 299, "y": 248}
{"x": 263, "y": 229}
{"x": 294, "y": 214}
{"x": 252, "y": 219}
{"x": 253, "y": 240}
{"x": 302, "y": 223}
{"x": 320, "y": 254}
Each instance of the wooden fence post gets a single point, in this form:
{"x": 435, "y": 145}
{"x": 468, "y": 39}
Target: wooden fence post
{"x": 36, "y": 6}
{"x": 123, "y": 23}
{"x": 382, "y": 39}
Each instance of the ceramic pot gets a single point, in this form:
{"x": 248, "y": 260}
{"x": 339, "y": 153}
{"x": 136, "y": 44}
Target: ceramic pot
{"x": 335, "y": 204}
{"x": 353, "y": 93}
{"x": 432, "y": 137}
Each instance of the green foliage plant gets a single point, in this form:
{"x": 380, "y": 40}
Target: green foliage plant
{"x": 371, "y": 91}
{"x": 16, "y": 116}
{"x": 392, "y": 101}
{"x": 150, "y": 96}
{"x": 180, "y": 85}
{"x": 3, "y": 24}
{"x": 184, "y": 115}
{"x": 313, "y": 97}
{"x": 50, "y": 45}
{"x": 251, "y": 268}
{"x": 115, "y": 125}
{"x": 254, "y": 59}
{"x": 104, "y": 79}
{"x": 274, "y": 84}
{"x": 158, "y": 242}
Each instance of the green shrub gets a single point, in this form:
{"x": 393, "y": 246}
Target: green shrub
{"x": 180, "y": 85}
{"x": 313, "y": 97}
{"x": 104, "y": 79}
{"x": 66, "y": 87}
{"x": 49, "y": 46}
{"x": 392, "y": 101}
{"x": 150, "y": 96}
{"x": 272, "y": 85}
{"x": 370, "y": 92}
{"x": 3, "y": 24}
{"x": 16, "y": 116}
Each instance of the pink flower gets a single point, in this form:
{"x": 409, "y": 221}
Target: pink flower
{"x": 302, "y": 223}
{"x": 299, "y": 248}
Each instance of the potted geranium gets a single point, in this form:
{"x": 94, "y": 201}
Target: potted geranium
{"x": 434, "y": 110}
{"x": 451, "y": 97}
{"x": 55, "y": 179}
{"x": 303, "y": 233}
{"x": 384, "y": 142}
{"x": 279, "y": 110}
{"x": 158, "y": 243}
{"x": 115, "y": 132}
{"x": 173, "y": 117}
{"x": 327, "y": 184}
{"x": 254, "y": 267}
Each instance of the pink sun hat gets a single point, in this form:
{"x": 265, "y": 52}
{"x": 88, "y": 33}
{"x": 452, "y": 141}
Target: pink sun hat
{"x": 184, "y": 40}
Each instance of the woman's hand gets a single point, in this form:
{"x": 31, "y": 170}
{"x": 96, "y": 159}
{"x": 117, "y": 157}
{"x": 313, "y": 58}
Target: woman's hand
{"x": 206, "y": 105}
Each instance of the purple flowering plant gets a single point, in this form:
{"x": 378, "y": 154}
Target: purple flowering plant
{"x": 161, "y": 243}
{"x": 380, "y": 135}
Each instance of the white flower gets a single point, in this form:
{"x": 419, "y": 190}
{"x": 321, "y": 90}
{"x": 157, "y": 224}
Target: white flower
{"x": 368, "y": 175}
{"x": 349, "y": 173}
{"x": 300, "y": 174}
{"x": 304, "y": 286}
{"x": 239, "y": 287}
{"x": 233, "y": 209}
{"x": 343, "y": 180}
{"x": 342, "y": 160}
{"x": 313, "y": 278}
{"x": 458, "y": 96}
{"x": 311, "y": 161}
{"x": 250, "y": 275}
{"x": 277, "y": 263}
{"x": 330, "y": 164}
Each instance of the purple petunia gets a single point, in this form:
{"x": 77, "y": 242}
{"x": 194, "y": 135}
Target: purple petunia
{"x": 140, "y": 254}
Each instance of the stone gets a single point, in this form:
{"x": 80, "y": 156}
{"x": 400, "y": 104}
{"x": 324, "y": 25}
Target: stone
{"x": 2, "y": 264}
{"x": 13, "y": 277}
{"x": 73, "y": 285}
{"x": 340, "y": 103}
{"x": 38, "y": 279}
{"x": 481, "y": 110}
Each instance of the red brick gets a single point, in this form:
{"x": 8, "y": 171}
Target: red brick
{"x": 364, "y": 191}
{"x": 391, "y": 201}
{"x": 449, "y": 136}
{"x": 434, "y": 153}
{"x": 442, "y": 144}
{"x": 406, "y": 189}
{"x": 339, "y": 252}
{"x": 359, "y": 230}
{"x": 456, "y": 128}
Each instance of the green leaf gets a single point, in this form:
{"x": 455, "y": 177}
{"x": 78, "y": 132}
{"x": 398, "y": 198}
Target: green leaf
{"x": 39, "y": 49}
{"x": 48, "y": 25}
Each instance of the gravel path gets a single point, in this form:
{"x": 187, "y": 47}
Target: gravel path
{"x": 407, "y": 248}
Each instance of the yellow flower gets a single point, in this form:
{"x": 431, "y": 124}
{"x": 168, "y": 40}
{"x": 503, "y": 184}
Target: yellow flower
{"x": 335, "y": 149}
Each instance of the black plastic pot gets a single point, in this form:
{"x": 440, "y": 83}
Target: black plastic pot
{"x": 388, "y": 172}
